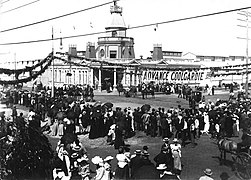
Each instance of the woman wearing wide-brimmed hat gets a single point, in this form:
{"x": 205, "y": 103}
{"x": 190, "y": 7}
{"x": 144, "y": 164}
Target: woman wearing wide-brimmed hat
{"x": 108, "y": 167}
{"x": 100, "y": 169}
{"x": 164, "y": 173}
{"x": 122, "y": 170}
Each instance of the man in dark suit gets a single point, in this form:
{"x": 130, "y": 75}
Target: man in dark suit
{"x": 147, "y": 169}
{"x": 135, "y": 163}
{"x": 165, "y": 157}
{"x": 164, "y": 126}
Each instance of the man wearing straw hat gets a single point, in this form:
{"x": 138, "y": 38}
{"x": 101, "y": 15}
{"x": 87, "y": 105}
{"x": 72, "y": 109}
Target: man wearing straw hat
{"x": 207, "y": 175}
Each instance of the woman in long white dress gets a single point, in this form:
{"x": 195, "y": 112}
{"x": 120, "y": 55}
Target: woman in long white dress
{"x": 176, "y": 153}
{"x": 54, "y": 128}
{"x": 206, "y": 121}
{"x": 60, "y": 128}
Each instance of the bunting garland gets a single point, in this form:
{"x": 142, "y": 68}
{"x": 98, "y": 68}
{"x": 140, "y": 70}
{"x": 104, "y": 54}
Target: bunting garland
{"x": 141, "y": 68}
{"x": 231, "y": 74}
{"x": 26, "y": 69}
{"x": 32, "y": 76}
{"x": 144, "y": 67}
{"x": 89, "y": 66}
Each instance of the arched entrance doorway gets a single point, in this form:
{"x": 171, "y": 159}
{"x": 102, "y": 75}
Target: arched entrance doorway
{"x": 107, "y": 78}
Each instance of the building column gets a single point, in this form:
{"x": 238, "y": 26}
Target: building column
{"x": 114, "y": 77}
{"x": 99, "y": 79}
{"x": 125, "y": 76}
{"x": 90, "y": 77}
{"x": 135, "y": 77}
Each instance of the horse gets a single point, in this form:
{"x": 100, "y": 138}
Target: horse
{"x": 144, "y": 91}
{"x": 133, "y": 91}
{"x": 226, "y": 146}
{"x": 120, "y": 88}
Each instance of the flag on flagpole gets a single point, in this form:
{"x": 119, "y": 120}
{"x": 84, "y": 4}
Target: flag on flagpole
{"x": 61, "y": 41}
{"x": 156, "y": 27}
{"x": 52, "y": 33}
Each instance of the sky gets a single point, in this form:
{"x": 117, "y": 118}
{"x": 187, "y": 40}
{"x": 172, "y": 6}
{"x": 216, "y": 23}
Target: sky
{"x": 212, "y": 35}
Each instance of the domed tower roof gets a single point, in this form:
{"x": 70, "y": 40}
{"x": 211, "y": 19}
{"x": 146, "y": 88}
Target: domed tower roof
{"x": 117, "y": 21}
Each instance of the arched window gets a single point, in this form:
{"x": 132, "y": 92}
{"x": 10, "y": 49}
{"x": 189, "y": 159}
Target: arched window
{"x": 102, "y": 53}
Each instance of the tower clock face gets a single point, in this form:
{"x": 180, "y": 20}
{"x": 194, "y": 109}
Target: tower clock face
{"x": 102, "y": 53}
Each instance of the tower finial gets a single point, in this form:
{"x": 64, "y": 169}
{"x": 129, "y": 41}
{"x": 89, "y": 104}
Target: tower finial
{"x": 115, "y": 8}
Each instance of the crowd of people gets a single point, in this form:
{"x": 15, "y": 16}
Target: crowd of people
{"x": 177, "y": 127}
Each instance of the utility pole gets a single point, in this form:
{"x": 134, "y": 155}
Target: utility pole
{"x": 52, "y": 84}
{"x": 246, "y": 87}
{"x": 247, "y": 15}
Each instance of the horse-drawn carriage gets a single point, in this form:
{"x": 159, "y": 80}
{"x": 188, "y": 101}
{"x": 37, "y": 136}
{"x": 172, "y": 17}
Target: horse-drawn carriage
{"x": 241, "y": 154}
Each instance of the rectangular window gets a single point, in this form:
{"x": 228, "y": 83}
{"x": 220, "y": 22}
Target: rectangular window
{"x": 55, "y": 75}
{"x": 65, "y": 77}
{"x": 74, "y": 77}
{"x": 80, "y": 77}
{"x": 83, "y": 75}
{"x": 60, "y": 76}
{"x": 86, "y": 79}
{"x": 113, "y": 54}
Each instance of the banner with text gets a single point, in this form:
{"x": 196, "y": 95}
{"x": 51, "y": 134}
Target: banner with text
{"x": 174, "y": 76}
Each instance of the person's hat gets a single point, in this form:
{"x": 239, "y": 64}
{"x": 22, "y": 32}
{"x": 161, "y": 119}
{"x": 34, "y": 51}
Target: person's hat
{"x": 145, "y": 153}
{"x": 162, "y": 167}
{"x": 164, "y": 148}
{"x": 137, "y": 151}
{"x": 83, "y": 158}
{"x": 74, "y": 155}
{"x": 76, "y": 148}
{"x": 166, "y": 139}
{"x": 97, "y": 160}
{"x": 113, "y": 126}
{"x": 175, "y": 140}
{"x": 164, "y": 116}
{"x": 145, "y": 147}
{"x": 108, "y": 158}
{"x": 208, "y": 172}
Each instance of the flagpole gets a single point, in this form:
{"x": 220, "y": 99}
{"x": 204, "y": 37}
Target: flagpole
{"x": 52, "y": 84}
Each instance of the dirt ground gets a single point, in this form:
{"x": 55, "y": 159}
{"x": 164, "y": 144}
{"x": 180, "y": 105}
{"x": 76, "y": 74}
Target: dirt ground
{"x": 194, "y": 160}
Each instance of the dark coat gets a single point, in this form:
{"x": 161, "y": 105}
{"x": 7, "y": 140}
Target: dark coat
{"x": 135, "y": 164}
{"x": 164, "y": 123}
{"x": 164, "y": 158}
{"x": 146, "y": 171}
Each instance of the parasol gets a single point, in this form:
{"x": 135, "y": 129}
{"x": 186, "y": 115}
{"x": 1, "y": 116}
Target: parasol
{"x": 70, "y": 114}
{"x": 107, "y": 79}
{"x": 108, "y": 104}
{"x": 60, "y": 115}
{"x": 96, "y": 104}
{"x": 68, "y": 138}
{"x": 145, "y": 108}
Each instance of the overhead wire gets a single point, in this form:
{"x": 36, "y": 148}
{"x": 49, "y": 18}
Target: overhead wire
{"x": 5, "y": 1}
{"x": 19, "y": 7}
{"x": 57, "y": 17}
{"x": 133, "y": 27}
